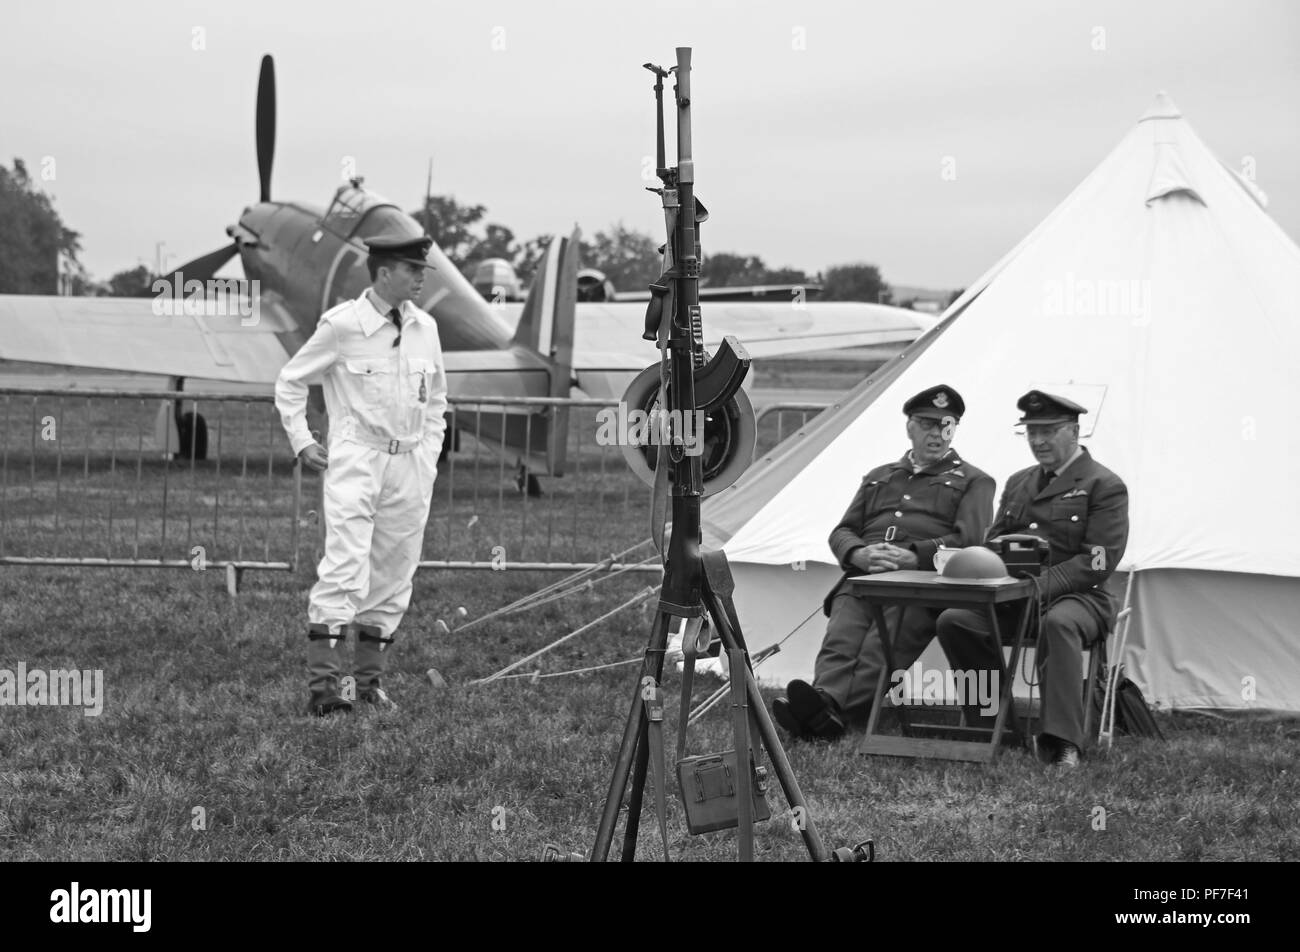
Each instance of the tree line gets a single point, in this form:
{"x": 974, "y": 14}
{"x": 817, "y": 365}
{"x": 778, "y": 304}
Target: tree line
{"x": 34, "y": 241}
{"x": 630, "y": 259}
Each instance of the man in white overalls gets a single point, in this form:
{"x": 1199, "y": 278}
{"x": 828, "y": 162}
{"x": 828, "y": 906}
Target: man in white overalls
{"x": 380, "y": 363}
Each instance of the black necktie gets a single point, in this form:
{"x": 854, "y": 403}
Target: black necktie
{"x": 1044, "y": 477}
{"x": 396, "y": 317}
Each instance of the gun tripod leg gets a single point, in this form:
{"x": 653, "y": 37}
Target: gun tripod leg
{"x": 767, "y": 731}
{"x": 634, "y": 800}
{"x": 634, "y": 744}
{"x": 744, "y": 755}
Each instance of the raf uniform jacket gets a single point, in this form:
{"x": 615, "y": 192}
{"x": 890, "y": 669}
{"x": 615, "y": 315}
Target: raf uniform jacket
{"x": 1083, "y": 514}
{"x": 948, "y": 503}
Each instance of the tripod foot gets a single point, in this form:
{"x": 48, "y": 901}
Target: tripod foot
{"x": 864, "y": 852}
{"x": 553, "y": 854}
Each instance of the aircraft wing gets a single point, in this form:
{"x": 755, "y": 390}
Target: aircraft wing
{"x": 612, "y": 332}
{"x": 516, "y": 372}
{"x": 128, "y": 334}
{"x": 772, "y": 293}
{"x": 608, "y": 345}
{"x": 609, "y": 335}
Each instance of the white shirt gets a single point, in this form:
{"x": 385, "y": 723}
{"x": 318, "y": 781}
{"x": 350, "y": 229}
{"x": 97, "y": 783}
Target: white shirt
{"x": 373, "y": 390}
{"x": 917, "y": 467}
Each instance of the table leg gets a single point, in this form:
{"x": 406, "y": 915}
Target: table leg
{"x": 1006, "y": 673}
{"x": 886, "y": 671}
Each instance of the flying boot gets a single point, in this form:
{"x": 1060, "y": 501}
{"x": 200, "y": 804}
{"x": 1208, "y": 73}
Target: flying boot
{"x": 323, "y": 666}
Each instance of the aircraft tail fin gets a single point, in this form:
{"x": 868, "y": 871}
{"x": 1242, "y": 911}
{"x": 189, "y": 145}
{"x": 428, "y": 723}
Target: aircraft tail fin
{"x": 546, "y": 326}
{"x": 546, "y": 322}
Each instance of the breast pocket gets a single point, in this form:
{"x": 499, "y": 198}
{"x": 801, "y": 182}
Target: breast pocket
{"x": 372, "y": 381}
{"x": 946, "y": 493}
{"x": 871, "y": 497}
{"x": 417, "y": 381}
{"x": 1070, "y": 520}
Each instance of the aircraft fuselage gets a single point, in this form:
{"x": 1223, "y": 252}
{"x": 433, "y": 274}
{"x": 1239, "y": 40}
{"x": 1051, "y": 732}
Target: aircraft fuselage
{"x": 308, "y": 260}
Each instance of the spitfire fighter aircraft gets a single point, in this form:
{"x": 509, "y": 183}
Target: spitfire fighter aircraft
{"x": 304, "y": 260}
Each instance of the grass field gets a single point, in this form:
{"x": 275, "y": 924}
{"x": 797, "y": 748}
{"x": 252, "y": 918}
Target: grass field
{"x": 201, "y": 752}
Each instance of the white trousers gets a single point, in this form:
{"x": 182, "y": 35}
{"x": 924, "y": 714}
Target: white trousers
{"x": 376, "y": 506}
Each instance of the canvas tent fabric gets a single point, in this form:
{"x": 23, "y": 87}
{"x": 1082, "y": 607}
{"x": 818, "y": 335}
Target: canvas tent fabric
{"x": 1161, "y": 296}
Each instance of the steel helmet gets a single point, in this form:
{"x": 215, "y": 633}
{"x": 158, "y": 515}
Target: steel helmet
{"x": 975, "y": 562}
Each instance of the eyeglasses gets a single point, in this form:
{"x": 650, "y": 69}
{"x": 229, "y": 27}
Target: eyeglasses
{"x": 927, "y": 424}
{"x": 1040, "y": 431}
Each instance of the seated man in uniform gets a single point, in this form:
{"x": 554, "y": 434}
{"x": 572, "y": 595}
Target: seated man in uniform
{"x": 1081, "y": 508}
{"x": 902, "y": 513}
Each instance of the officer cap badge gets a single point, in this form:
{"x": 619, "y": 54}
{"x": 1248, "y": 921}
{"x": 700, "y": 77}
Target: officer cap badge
{"x": 1040, "y": 407}
{"x": 936, "y": 403}
{"x": 409, "y": 248}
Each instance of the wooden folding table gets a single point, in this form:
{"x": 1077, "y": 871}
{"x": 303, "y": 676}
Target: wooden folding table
{"x": 916, "y": 589}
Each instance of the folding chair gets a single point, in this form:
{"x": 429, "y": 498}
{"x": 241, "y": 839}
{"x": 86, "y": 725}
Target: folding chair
{"x": 1100, "y": 731}
{"x": 1096, "y": 664}
{"x": 1106, "y": 733}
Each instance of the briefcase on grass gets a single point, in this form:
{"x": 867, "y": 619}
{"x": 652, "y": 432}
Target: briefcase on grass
{"x": 1132, "y": 714}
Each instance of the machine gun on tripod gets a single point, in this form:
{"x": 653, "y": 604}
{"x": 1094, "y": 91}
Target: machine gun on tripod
{"x": 724, "y": 790}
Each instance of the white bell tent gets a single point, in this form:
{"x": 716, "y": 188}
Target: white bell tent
{"x": 1161, "y": 296}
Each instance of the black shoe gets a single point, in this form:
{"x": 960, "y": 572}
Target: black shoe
{"x": 785, "y": 717}
{"x": 811, "y": 710}
{"x": 326, "y": 702}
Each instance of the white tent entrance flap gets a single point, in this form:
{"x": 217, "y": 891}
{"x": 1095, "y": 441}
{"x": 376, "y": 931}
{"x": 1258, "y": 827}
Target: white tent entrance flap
{"x": 1173, "y": 318}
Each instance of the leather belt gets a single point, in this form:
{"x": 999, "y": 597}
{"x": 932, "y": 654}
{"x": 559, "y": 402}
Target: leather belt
{"x": 392, "y": 447}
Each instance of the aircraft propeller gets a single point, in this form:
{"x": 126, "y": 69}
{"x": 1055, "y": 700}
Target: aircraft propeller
{"x": 266, "y": 125}
{"x": 206, "y": 266}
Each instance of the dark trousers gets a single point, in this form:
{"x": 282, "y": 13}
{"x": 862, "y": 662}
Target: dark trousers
{"x": 1068, "y": 627}
{"x": 851, "y": 656}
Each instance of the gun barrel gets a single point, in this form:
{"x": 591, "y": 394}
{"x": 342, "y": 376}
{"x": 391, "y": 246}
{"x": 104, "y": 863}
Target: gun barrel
{"x": 686, "y": 162}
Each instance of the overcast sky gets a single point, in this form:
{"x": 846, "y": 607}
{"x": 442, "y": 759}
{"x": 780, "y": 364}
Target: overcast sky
{"x": 821, "y": 128}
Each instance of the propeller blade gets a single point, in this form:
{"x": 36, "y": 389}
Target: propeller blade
{"x": 266, "y": 125}
{"x": 206, "y": 267}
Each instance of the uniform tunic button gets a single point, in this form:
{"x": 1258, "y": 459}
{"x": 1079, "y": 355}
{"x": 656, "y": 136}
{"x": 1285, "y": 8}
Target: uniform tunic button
{"x": 906, "y": 496}
{"x": 1033, "y": 525}
{"x": 1074, "y": 518}
{"x": 899, "y": 513}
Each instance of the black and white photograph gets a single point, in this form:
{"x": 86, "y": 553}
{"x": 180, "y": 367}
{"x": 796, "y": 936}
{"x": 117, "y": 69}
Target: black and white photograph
{"x": 712, "y": 432}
